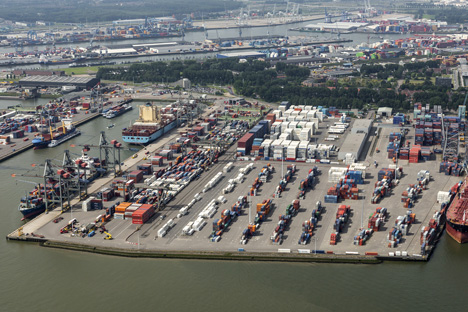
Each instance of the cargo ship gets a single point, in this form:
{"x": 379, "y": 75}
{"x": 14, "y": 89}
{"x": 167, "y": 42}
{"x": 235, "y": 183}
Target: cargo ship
{"x": 34, "y": 204}
{"x": 153, "y": 122}
{"x": 457, "y": 214}
{"x": 56, "y": 136}
{"x": 117, "y": 111}
{"x": 31, "y": 206}
{"x": 90, "y": 167}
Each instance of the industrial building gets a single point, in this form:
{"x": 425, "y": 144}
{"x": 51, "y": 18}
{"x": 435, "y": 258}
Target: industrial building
{"x": 300, "y": 60}
{"x": 243, "y": 54}
{"x": 356, "y": 140}
{"x": 353, "y": 144}
{"x": 115, "y": 51}
{"x": 385, "y": 111}
{"x": 361, "y": 126}
{"x": 33, "y": 72}
{"x": 337, "y": 26}
{"x": 57, "y": 81}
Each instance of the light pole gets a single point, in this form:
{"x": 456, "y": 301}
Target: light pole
{"x": 250, "y": 208}
{"x": 282, "y": 165}
{"x": 362, "y": 212}
{"x": 315, "y": 245}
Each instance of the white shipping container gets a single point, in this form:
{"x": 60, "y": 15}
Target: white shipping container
{"x": 292, "y": 125}
{"x": 162, "y": 232}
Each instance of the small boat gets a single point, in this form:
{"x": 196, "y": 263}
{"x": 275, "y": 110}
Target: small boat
{"x": 110, "y": 126}
{"x": 25, "y": 139}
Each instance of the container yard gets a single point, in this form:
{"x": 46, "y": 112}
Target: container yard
{"x": 265, "y": 198}
{"x": 18, "y": 131}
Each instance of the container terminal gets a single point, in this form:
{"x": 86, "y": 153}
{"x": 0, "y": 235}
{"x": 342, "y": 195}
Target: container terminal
{"x": 18, "y": 131}
{"x": 326, "y": 187}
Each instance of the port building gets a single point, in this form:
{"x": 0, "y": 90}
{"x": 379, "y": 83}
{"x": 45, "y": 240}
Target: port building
{"x": 356, "y": 140}
{"x": 59, "y": 81}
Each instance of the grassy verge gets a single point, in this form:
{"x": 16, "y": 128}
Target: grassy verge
{"x": 81, "y": 70}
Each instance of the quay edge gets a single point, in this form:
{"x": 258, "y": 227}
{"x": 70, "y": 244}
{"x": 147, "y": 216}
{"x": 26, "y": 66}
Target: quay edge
{"x": 211, "y": 255}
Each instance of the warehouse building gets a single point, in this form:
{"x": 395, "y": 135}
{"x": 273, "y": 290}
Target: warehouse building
{"x": 354, "y": 144}
{"x": 361, "y": 126}
{"x": 356, "y": 140}
{"x": 385, "y": 111}
{"x": 58, "y": 82}
{"x": 242, "y": 54}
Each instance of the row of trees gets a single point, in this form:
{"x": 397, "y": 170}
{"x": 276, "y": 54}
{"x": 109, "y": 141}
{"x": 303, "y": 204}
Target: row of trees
{"x": 284, "y": 83}
{"x": 71, "y": 11}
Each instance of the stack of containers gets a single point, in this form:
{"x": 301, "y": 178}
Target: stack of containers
{"x": 394, "y": 136}
{"x": 404, "y": 153}
{"x": 377, "y": 218}
{"x": 304, "y": 134}
{"x": 302, "y": 150}
{"x": 266, "y": 144}
{"x": 156, "y": 161}
{"x": 120, "y": 210}
{"x": 175, "y": 147}
{"x": 426, "y": 153}
{"x": 312, "y": 151}
{"x": 292, "y": 150}
{"x": 302, "y": 124}
{"x": 277, "y": 152}
{"x": 428, "y": 234}
{"x": 393, "y": 148}
{"x": 130, "y": 210}
{"x": 17, "y": 134}
{"x": 142, "y": 214}
{"x": 107, "y": 194}
{"x": 256, "y": 146}
{"x": 398, "y": 119}
{"x": 415, "y": 154}
{"x": 278, "y": 113}
{"x": 437, "y": 134}
{"x": 342, "y": 216}
{"x": 271, "y": 117}
{"x": 428, "y": 135}
{"x": 244, "y": 145}
{"x": 356, "y": 176}
{"x": 146, "y": 168}
{"x": 166, "y": 154}
{"x": 419, "y": 137}
{"x": 30, "y": 128}
{"x": 136, "y": 176}
{"x": 276, "y": 127}
{"x": 263, "y": 209}
{"x": 266, "y": 126}
{"x": 312, "y": 126}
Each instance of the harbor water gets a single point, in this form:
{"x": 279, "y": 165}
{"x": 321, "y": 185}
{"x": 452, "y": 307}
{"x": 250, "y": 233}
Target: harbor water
{"x": 35, "y": 278}
{"x": 247, "y": 33}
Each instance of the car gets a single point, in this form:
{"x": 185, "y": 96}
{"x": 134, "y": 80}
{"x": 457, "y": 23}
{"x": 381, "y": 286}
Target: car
{"x": 162, "y": 217}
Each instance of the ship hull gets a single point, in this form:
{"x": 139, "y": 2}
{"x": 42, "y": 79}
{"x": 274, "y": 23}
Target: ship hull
{"x": 147, "y": 139}
{"x": 28, "y": 213}
{"x": 67, "y": 137}
{"x": 40, "y": 144}
{"x": 116, "y": 114}
{"x": 457, "y": 231}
